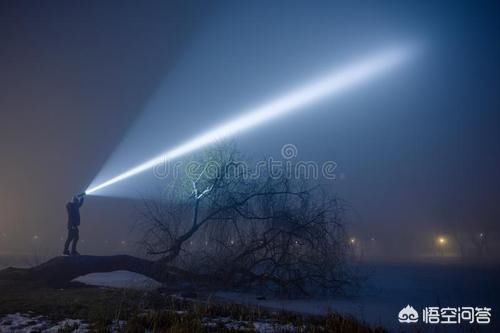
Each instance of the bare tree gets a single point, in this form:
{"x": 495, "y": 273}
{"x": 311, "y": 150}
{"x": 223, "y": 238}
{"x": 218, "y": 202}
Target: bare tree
{"x": 238, "y": 228}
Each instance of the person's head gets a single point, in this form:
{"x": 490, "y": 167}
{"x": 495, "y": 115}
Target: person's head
{"x": 75, "y": 199}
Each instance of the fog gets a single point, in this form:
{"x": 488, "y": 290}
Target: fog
{"x": 87, "y": 92}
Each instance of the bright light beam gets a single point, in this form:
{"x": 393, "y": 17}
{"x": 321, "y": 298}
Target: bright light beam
{"x": 331, "y": 84}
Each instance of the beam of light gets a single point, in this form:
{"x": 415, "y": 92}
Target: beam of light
{"x": 329, "y": 85}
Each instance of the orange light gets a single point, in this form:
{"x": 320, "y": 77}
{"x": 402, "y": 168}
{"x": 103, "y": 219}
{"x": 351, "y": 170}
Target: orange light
{"x": 442, "y": 241}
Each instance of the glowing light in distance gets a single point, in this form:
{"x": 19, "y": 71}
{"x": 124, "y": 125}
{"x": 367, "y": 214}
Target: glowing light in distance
{"x": 442, "y": 241}
{"x": 329, "y": 85}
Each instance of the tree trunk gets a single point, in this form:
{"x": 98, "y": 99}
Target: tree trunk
{"x": 61, "y": 270}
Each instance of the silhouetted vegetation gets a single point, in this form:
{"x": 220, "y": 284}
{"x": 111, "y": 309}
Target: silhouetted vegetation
{"x": 137, "y": 311}
{"x": 228, "y": 225}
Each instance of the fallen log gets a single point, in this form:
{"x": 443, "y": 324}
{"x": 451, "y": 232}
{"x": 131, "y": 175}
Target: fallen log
{"x": 62, "y": 270}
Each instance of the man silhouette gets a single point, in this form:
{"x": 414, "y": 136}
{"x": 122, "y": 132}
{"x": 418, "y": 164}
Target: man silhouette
{"x": 73, "y": 209}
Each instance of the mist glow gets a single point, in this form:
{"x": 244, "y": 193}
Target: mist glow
{"x": 333, "y": 83}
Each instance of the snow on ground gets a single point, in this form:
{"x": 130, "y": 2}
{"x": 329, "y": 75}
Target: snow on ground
{"x": 27, "y": 322}
{"x": 388, "y": 289}
{"x": 17, "y": 322}
{"x": 22, "y": 322}
{"x": 259, "y": 326}
{"x": 119, "y": 279}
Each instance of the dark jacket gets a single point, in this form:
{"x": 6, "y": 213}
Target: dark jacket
{"x": 73, "y": 209}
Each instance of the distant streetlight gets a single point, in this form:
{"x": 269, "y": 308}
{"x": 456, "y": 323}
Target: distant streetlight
{"x": 442, "y": 241}
{"x": 352, "y": 240}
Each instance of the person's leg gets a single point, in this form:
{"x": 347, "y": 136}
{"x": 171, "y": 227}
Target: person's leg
{"x": 76, "y": 236}
{"x": 68, "y": 240}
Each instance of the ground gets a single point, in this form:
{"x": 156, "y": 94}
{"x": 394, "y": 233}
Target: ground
{"x": 386, "y": 289}
{"x": 132, "y": 310}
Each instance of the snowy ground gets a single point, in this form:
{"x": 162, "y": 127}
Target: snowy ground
{"x": 387, "y": 290}
{"x": 119, "y": 279}
{"x": 17, "y": 322}
{"x": 21, "y": 323}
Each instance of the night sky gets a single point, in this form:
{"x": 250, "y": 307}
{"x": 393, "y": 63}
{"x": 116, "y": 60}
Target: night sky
{"x": 88, "y": 88}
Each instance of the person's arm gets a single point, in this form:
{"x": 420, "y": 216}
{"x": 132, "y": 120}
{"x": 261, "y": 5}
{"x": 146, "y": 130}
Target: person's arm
{"x": 80, "y": 202}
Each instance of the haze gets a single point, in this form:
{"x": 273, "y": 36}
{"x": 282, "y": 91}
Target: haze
{"x": 88, "y": 91}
